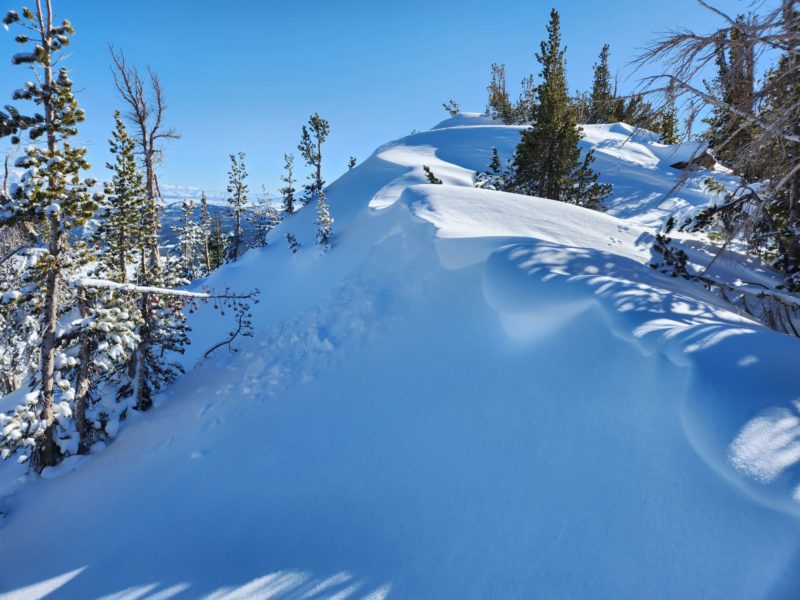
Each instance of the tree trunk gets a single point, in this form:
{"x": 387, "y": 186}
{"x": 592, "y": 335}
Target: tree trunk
{"x": 82, "y": 385}
{"x": 143, "y": 400}
{"x": 47, "y": 453}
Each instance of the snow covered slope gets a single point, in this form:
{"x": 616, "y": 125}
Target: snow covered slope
{"x": 472, "y": 395}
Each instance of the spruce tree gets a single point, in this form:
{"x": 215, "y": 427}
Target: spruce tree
{"x": 547, "y": 159}
{"x": 288, "y": 190}
{"x": 601, "y": 101}
{"x": 237, "y": 202}
{"x": 310, "y": 148}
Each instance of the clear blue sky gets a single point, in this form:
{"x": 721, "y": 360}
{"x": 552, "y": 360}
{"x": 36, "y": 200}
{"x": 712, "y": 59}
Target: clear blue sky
{"x": 246, "y": 75}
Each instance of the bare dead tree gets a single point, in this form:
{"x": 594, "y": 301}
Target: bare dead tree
{"x": 144, "y": 96}
{"x": 769, "y": 116}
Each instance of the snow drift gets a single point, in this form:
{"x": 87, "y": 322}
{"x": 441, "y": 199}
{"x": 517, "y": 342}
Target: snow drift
{"x": 473, "y": 394}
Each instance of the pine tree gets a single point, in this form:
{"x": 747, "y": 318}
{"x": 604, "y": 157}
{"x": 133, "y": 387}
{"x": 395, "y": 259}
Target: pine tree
{"x": 452, "y": 107}
{"x": 294, "y": 245}
{"x": 217, "y": 244}
{"x": 430, "y": 176}
{"x": 525, "y": 108}
{"x": 494, "y": 177}
{"x": 782, "y": 170}
{"x": 121, "y": 227}
{"x": 547, "y": 159}
{"x": 263, "y": 218}
{"x": 205, "y": 232}
{"x": 310, "y": 148}
{"x": 288, "y": 190}
{"x": 53, "y": 196}
{"x": 499, "y": 104}
{"x": 668, "y": 121}
{"x": 190, "y": 241}
{"x": 729, "y": 134}
{"x": 601, "y": 101}
{"x": 324, "y": 221}
{"x": 237, "y": 202}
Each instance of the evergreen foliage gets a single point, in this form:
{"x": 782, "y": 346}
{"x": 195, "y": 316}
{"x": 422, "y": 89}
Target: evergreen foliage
{"x": 217, "y": 244}
{"x": 430, "y": 176}
{"x": 237, "y": 203}
{"x": 547, "y": 159}
{"x": 324, "y": 221}
{"x": 288, "y": 190}
{"x": 121, "y": 229}
{"x": 262, "y": 218}
{"x": 294, "y": 245}
{"x": 499, "y": 104}
{"x": 494, "y": 177}
{"x": 601, "y": 101}
{"x": 310, "y": 148}
{"x": 728, "y": 133}
{"x": 452, "y": 107}
{"x": 190, "y": 243}
{"x": 205, "y": 234}
{"x": 54, "y": 198}
{"x": 668, "y": 121}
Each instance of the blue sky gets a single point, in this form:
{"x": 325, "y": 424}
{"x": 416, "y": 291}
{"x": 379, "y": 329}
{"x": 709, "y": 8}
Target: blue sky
{"x": 246, "y": 75}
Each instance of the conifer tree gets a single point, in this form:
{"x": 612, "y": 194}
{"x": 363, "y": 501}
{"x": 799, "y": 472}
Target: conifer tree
{"x": 217, "y": 244}
{"x": 53, "y": 197}
{"x": 237, "y": 202}
{"x": 601, "y": 101}
{"x": 288, "y": 190}
{"x": 524, "y": 109}
{"x": 729, "y": 133}
{"x": 547, "y": 159}
{"x": 636, "y": 112}
{"x": 494, "y": 177}
{"x": 146, "y": 116}
{"x": 262, "y": 218}
{"x": 668, "y": 120}
{"x": 190, "y": 240}
{"x": 430, "y": 176}
{"x": 310, "y": 148}
{"x": 499, "y": 105}
{"x": 121, "y": 228}
{"x": 324, "y": 221}
{"x": 205, "y": 232}
{"x": 452, "y": 107}
{"x": 294, "y": 245}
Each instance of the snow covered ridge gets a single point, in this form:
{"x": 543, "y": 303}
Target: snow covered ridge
{"x": 473, "y": 394}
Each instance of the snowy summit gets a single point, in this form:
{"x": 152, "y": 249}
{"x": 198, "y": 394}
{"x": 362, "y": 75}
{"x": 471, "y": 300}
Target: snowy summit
{"x": 422, "y": 379}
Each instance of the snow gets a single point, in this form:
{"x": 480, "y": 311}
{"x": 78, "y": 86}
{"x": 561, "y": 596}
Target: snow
{"x": 471, "y": 394}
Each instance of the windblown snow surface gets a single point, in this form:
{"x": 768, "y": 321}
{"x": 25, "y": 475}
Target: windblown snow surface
{"x": 473, "y": 394}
